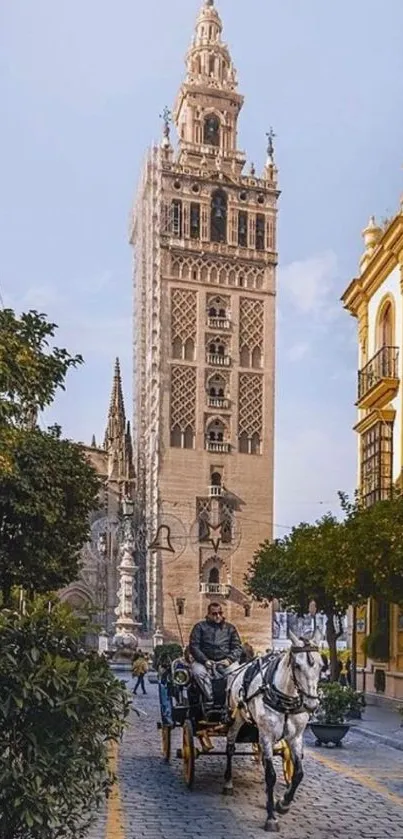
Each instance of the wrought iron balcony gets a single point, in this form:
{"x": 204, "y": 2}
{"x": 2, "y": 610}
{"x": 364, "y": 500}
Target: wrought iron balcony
{"x": 217, "y": 402}
{"x": 378, "y": 381}
{"x": 215, "y": 588}
{"x": 215, "y": 491}
{"x": 219, "y": 447}
{"x": 218, "y": 360}
{"x": 219, "y": 323}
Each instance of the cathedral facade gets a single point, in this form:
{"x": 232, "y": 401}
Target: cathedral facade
{"x": 204, "y": 239}
{"x": 96, "y": 589}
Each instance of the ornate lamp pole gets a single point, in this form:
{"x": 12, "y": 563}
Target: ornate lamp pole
{"x": 126, "y": 627}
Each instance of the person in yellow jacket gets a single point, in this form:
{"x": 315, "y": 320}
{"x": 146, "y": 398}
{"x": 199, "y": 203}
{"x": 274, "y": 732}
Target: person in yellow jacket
{"x": 139, "y": 670}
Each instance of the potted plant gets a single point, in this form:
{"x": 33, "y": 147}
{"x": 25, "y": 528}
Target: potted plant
{"x": 357, "y": 704}
{"x": 329, "y": 724}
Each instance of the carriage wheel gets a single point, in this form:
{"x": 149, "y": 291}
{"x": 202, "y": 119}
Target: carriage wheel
{"x": 188, "y": 754}
{"x": 166, "y": 742}
{"x": 288, "y": 764}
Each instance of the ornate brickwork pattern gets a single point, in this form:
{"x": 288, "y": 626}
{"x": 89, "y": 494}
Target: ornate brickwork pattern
{"x": 251, "y": 327}
{"x": 183, "y": 398}
{"x": 250, "y": 404}
{"x": 183, "y": 314}
{"x": 199, "y": 269}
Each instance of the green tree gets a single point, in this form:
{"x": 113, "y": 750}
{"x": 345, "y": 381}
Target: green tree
{"x": 47, "y": 487}
{"x": 60, "y": 708}
{"x": 30, "y": 370}
{"x": 314, "y": 562}
{"x": 45, "y": 503}
{"x": 376, "y": 537}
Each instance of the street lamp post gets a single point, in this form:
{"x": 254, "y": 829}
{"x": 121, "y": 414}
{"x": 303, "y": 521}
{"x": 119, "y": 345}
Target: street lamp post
{"x": 125, "y": 639}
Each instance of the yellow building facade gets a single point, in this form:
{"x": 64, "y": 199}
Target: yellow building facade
{"x": 375, "y": 299}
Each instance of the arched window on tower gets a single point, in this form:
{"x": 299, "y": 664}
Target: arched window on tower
{"x": 216, "y": 479}
{"x": 188, "y": 439}
{"x": 211, "y": 131}
{"x": 219, "y": 216}
{"x": 214, "y": 577}
{"x": 260, "y": 232}
{"x": 177, "y": 348}
{"x": 245, "y": 357}
{"x": 177, "y": 218}
{"x": 244, "y": 443}
{"x": 243, "y": 229}
{"x": 189, "y": 350}
{"x": 176, "y": 437}
{"x": 195, "y": 221}
{"x": 256, "y": 357}
{"x": 255, "y": 444}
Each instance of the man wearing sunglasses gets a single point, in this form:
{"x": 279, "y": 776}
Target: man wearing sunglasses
{"x": 215, "y": 647}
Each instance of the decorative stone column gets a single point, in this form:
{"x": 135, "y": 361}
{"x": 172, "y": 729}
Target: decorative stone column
{"x": 125, "y": 640}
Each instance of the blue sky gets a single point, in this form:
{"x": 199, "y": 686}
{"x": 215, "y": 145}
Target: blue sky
{"x": 82, "y": 84}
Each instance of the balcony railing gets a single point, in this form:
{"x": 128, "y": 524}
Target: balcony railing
{"x": 218, "y": 360}
{"x": 215, "y": 492}
{"x": 217, "y": 402}
{"x": 379, "y": 378}
{"x": 214, "y": 446}
{"x": 219, "y": 323}
{"x": 215, "y": 588}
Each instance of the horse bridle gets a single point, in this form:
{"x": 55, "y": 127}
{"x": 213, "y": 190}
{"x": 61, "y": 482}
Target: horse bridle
{"x": 308, "y": 649}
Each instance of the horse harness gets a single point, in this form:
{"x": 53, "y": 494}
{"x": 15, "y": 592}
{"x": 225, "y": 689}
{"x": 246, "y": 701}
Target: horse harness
{"x": 272, "y": 697}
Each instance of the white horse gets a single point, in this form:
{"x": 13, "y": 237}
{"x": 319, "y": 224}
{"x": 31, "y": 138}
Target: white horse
{"x": 278, "y": 695}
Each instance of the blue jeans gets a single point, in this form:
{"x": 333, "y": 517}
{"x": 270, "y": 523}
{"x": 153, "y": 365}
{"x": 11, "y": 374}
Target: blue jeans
{"x": 165, "y": 704}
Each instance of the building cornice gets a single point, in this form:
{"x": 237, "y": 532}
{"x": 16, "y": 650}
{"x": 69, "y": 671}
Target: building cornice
{"x": 371, "y": 419}
{"x": 387, "y": 255}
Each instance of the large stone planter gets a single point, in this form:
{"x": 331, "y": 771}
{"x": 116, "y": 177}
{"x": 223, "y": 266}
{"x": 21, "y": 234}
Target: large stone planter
{"x": 328, "y": 733}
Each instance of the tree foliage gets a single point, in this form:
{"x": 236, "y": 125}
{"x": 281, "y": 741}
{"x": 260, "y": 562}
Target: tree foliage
{"x": 30, "y": 370}
{"x": 60, "y": 707}
{"x": 47, "y": 487}
{"x": 335, "y": 563}
{"x": 312, "y": 563}
{"x": 45, "y": 503}
{"x": 376, "y": 537}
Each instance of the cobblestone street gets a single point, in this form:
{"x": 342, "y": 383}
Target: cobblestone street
{"x": 347, "y": 793}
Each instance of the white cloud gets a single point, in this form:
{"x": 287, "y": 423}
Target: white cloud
{"x": 309, "y": 284}
{"x": 298, "y": 351}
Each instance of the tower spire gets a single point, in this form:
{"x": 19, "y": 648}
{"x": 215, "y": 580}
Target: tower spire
{"x": 208, "y": 104}
{"x": 116, "y": 418}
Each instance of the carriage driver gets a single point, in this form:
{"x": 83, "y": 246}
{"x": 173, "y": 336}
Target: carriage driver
{"x": 215, "y": 647}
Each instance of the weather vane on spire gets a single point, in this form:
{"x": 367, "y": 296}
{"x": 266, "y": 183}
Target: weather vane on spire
{"x": 166, "y": 117}
{"x": 270, "y": 144}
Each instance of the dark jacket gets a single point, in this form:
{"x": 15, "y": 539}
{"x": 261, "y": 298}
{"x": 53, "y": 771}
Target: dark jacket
{"x": 210, "y": 641}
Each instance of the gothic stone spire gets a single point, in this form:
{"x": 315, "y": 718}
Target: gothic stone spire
{"x": 118, "y": 441}
{"x": 116, "y": 418}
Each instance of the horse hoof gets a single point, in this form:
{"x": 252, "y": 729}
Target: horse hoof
{"x": 272, "y": 826}
{"x": 281, "y": 808}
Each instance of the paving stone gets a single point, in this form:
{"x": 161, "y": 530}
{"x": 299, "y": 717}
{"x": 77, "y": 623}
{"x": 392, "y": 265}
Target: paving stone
{"x": 329, "y": 805}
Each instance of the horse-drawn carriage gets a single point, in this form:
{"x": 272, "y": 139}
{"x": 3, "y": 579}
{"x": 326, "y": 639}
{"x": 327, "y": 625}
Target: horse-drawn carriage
{"x": 182, "y": 706}
{"x": 265, "y": 703}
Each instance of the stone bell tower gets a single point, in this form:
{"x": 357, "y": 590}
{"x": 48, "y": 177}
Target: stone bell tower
{"x": 204, "y": 238}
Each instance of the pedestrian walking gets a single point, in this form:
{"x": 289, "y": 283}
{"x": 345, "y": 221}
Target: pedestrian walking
{"x": 342, "y": 674}
{"x": 139, "y": 670}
